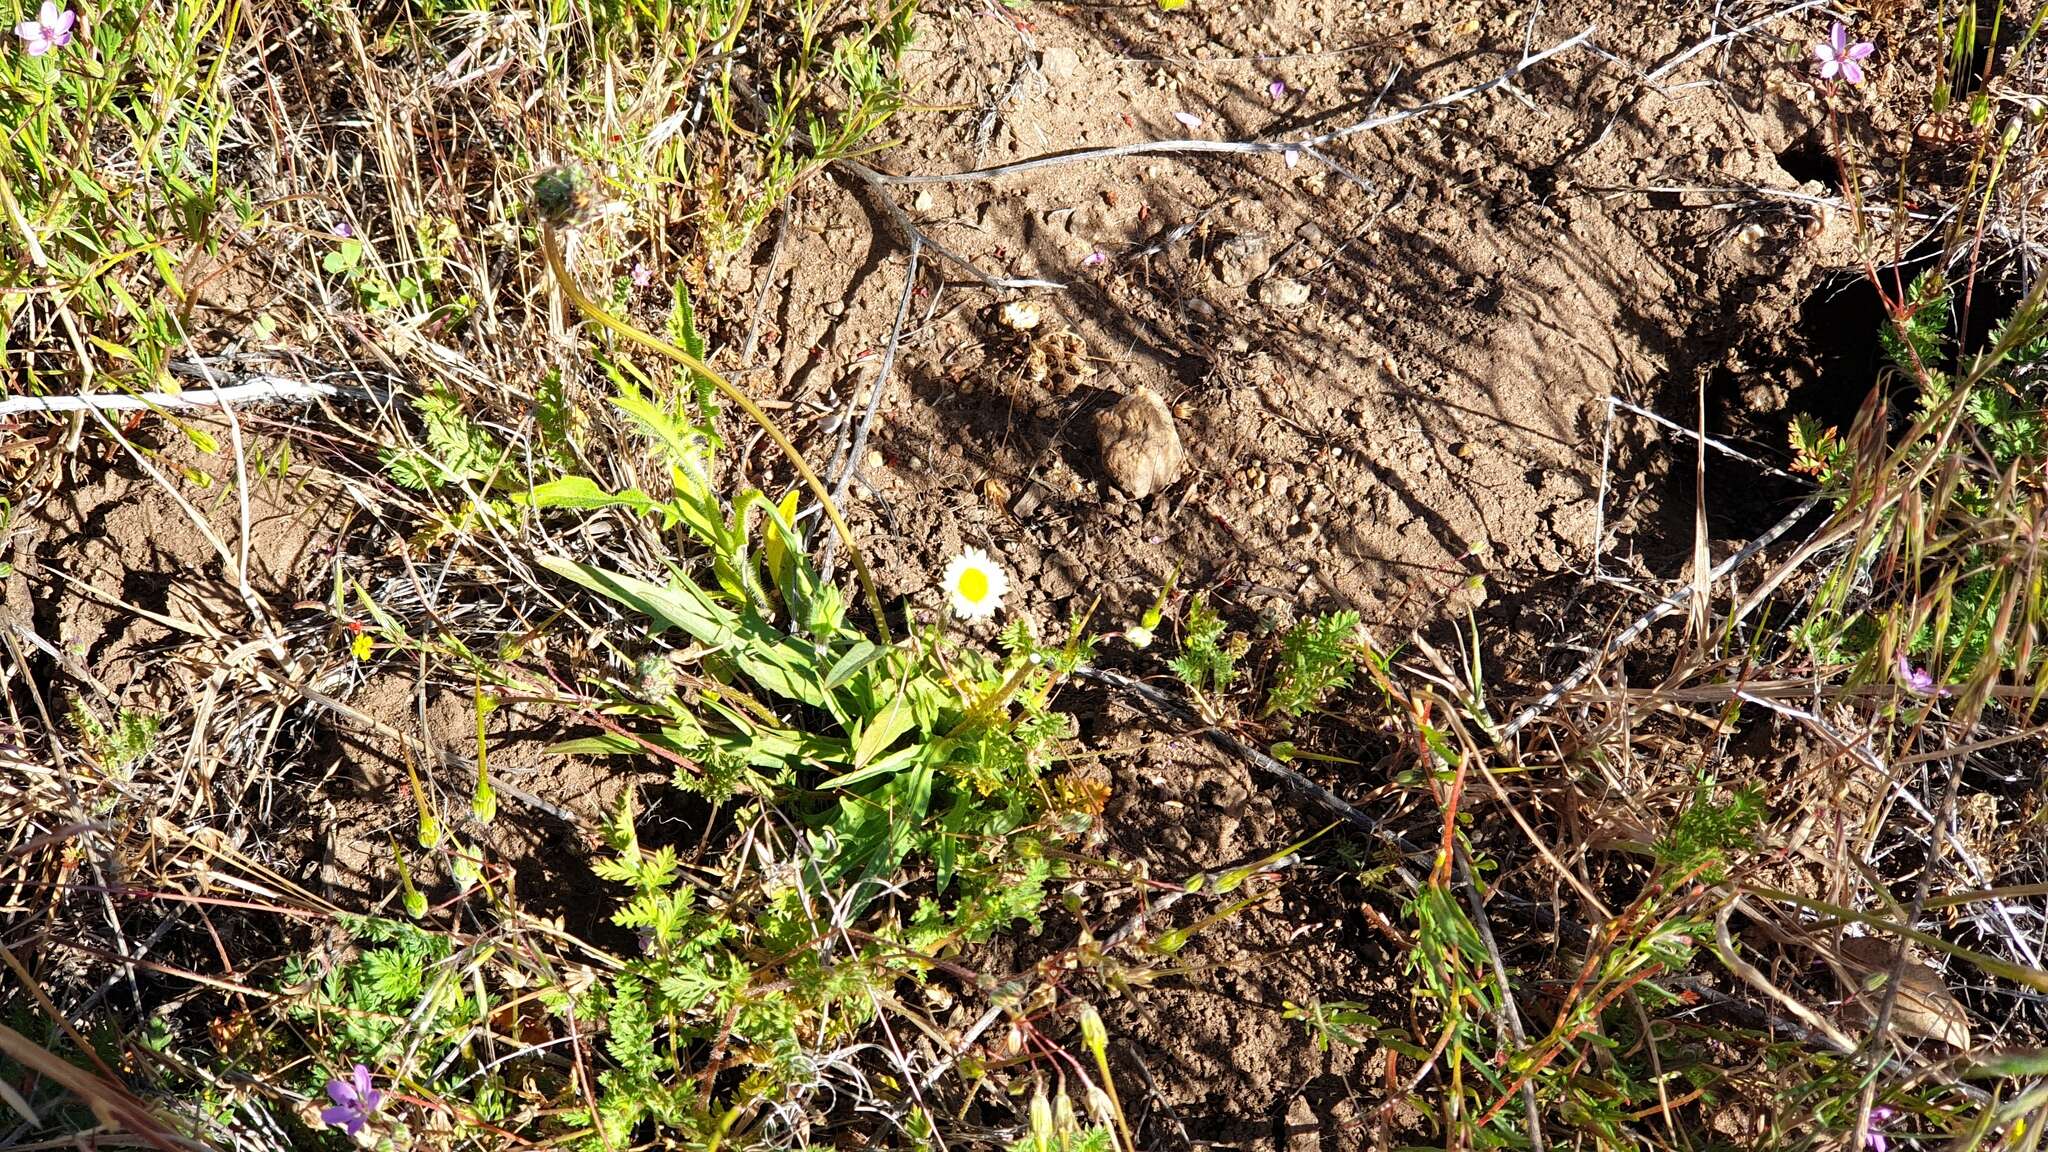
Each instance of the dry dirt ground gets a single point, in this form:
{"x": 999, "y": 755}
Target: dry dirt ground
{"x": 1390, "y": 378}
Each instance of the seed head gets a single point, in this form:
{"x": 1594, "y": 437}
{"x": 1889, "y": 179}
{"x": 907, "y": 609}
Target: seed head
{"x": 561, "y": 195}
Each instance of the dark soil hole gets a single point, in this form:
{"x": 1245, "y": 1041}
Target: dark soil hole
{"x": 1839, "y": 350}
{"x": 1809, "y": 159}
{"x": 1836, "y": 350}
{"x": 1823, "y": 364}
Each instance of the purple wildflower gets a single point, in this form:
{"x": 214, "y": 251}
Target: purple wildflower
{"x": 1094, "y": 258}
{"x": 343, "y": 230}
{"x": 51, "y": 29}
{"x": 355, "y": 1101}
{"x": 1874, "y": 1138}
{"x": 1920, "y": 682}
{"x": 642, "y": 275}
{"x": 1838, "y": 57}
{"x": 1276, "y": 89}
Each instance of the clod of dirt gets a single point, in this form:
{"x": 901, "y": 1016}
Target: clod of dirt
{"x": 1141, "y": 448}
{"x": 1020, "y": 316}
{"x": 1303, "y": 1132}
{"x": 1924, "y": 1006}
{"x": 1059, "y": 62}
{"x": 1281, "y": 292}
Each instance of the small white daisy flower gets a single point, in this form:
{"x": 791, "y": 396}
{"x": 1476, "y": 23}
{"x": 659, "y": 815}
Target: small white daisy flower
{"x": 975, "y": 585}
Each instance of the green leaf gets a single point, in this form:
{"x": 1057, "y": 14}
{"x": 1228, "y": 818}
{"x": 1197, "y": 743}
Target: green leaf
{"x": 888, "y": 765}
{"x": 583, "y": 492}
{"x": 344, "y": 258}
{"x": 685, "y": 448}
{"x": 677, "y": 605}
{"x": 605, "y": 745}
{"x": 850, "y": 662}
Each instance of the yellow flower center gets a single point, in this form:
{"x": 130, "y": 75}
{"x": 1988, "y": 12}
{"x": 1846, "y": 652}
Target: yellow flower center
{"x": 973, "y": 585}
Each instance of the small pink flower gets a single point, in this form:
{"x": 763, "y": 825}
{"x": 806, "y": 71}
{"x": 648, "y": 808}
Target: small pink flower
{"x": 356, "y": 1100}
{"x": 643, "y": 276}
{"x": 1188, "y": 120}
{"x": 1919, "y": 681}
{"x": 1874, "y": 1137}
{"x": 51, "y": 29}
{"x": 1838, "y": 57}
{"x": 1093, "y": 258}
{"x": 1276, "y": 89}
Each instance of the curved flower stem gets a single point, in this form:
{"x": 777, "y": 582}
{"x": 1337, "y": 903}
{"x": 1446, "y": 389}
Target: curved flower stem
{"x": 551, "y": 248}
{"x": 986, "y": 707}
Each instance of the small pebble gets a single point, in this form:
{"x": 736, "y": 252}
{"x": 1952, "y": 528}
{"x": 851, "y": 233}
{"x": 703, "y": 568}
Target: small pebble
{"x": 1282, "y": 292}
{"x": 923, "y": 200}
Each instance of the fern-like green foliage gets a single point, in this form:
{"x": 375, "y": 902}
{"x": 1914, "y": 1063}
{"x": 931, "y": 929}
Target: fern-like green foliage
{"x": 398, "y": 988}
{"x": 1208, "y": 660}
{"x": 132, "y": 736}
{"x": 2013, "y": 427}
{"x": 1820, "y": 452}
{"x": 1709, "y": 829}
{"x": 558, "y": 420}
{"x": 457, "y": 448}
{"x": 1318, "y": 656}
{"x": 682, "y": 331}
{"x": 1917, "y": 344}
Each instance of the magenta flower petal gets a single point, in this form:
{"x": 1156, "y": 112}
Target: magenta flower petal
{"x": 1874, "y": 1138}
{"x": 1838, "y": 37}
{"x": 1831, "y": 69}
{"x": 1918, "y": 681}
{"x": 1861, "y": 51}
{"x": 1852, "y": 72}
{"x": 344, "y": 1118}
{"x": 355, "y": 1098}
{"x": 366, "y": 1093}
{"x": 48, "y": 16}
